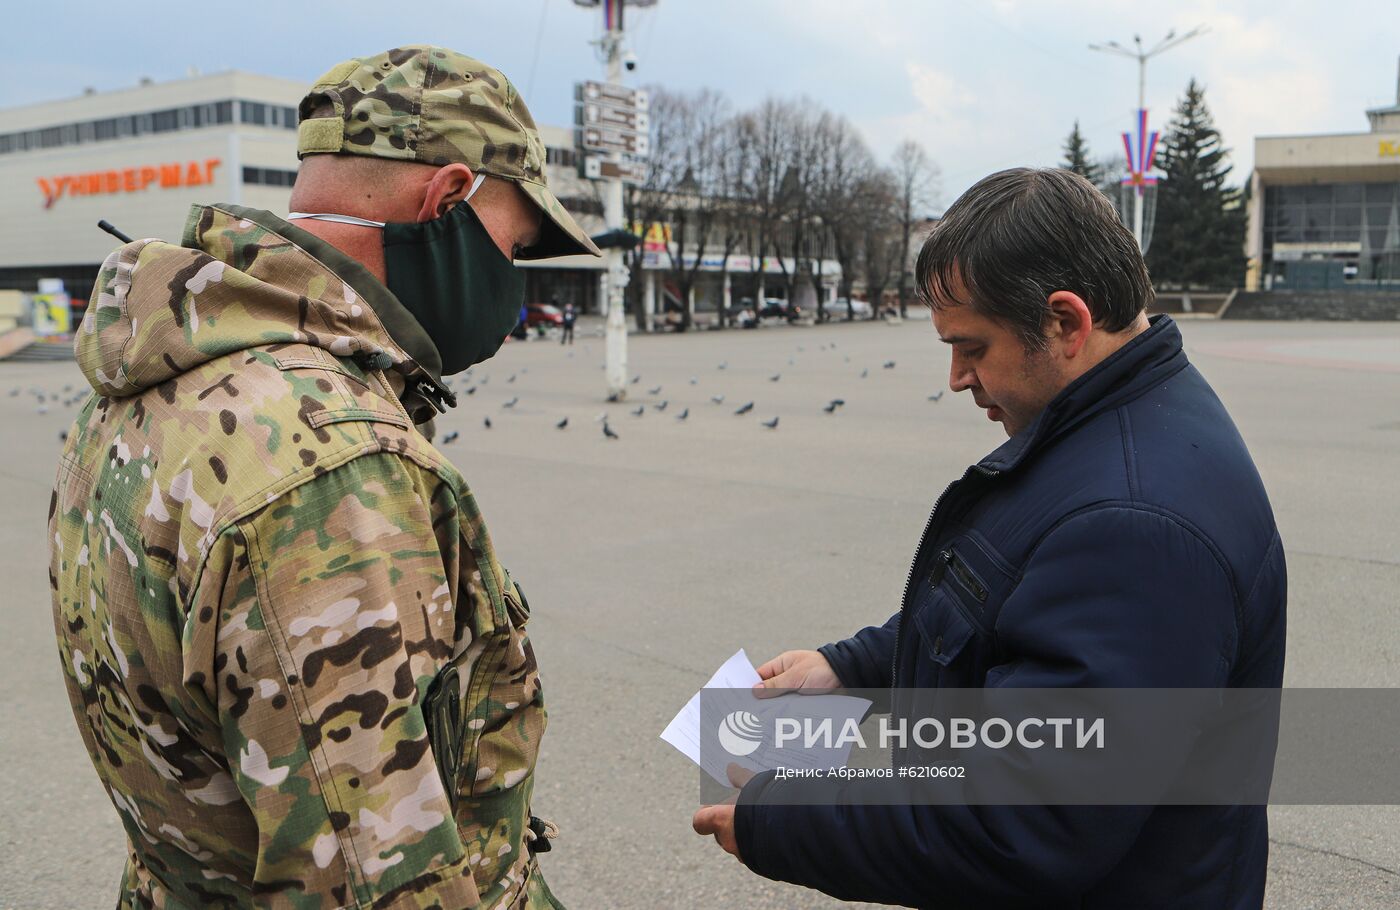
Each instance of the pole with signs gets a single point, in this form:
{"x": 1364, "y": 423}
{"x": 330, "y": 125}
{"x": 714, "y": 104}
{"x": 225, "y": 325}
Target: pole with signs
{"x": 612, "y": 136}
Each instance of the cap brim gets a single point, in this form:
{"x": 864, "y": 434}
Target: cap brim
{"x": 560, "y": 234}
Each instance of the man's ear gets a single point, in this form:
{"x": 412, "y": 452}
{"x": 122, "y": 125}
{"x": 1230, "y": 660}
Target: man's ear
{"x": 1069, "y": 323}
{"x": 449, "y": 185}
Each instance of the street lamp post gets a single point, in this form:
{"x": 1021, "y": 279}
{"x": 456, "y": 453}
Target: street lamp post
{"x": 1139, "y": 165}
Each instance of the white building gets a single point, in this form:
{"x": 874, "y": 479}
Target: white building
{"x": 1324, "y": 211}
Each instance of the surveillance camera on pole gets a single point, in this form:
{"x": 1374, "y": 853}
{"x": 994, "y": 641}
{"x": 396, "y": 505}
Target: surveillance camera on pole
{"x": 613, "y": 140}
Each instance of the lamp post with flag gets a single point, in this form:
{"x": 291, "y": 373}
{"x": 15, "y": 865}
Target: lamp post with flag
{"x": 1142, "y": 153}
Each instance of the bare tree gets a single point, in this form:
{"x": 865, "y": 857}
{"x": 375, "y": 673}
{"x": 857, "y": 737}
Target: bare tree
{"x": 843, "y": 163}
{"x": 882, "y": 249}
{"x": 698, "y": 200}
{"x": 767, "y": 133}
{"x": 793, "y": 239}
{"x": 915, "y": 179}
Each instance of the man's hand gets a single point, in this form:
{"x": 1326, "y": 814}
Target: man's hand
{"x": 806, "y": 670}
{"x": 719, "y": 820}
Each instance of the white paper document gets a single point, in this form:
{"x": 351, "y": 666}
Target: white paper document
{"x": 754, "y": 724}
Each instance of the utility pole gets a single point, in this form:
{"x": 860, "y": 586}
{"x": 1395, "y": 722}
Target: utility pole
{"x": 1141, "y": 163}
{"x": 609, "y": 167}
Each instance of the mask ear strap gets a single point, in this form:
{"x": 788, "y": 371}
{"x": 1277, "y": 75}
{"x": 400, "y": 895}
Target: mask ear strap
{"x": 339, "y": 219}
{"x": 476, "y": 185}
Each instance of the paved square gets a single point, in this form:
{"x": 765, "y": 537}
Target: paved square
{"x": 650, "y": 558}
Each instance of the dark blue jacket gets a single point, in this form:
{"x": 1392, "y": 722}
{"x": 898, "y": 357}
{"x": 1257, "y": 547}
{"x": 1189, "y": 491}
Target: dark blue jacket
{"x": 1124, "y": 539}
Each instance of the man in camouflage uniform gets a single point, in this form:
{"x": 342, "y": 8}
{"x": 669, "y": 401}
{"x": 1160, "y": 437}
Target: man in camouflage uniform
{"x": 299, "y": 668}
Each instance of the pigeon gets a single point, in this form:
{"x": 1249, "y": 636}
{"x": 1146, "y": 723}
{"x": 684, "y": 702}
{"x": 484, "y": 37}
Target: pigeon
{"x": 471, "y": 390}
{"x": 831, "y": 408}
{"x": 641, "y": 409}
{"x": 614, "y": 398}
{"x": 62, "y": 435}
{"x": 608, "y": 431}
{"x": 724, "y": 364}
{"x": 771, "y": 424}
{"x": 848, "y": 358}
{"x": 864, "y": 373}
{"x": 484, "y": 380}
{"x": 451, "y": 437}
{"x": 562, "y": 424}
{"x": 636, "y": 379}
{"x": 792, "y": 362}
{"x": 744, "y": 409}
{"x": 655, "y": 391}
{"x": 717, "y": 399}
{"x": 839, "y": 402}
{"x": 512, "y": 378}
{"x": 936, "y": 397}
{"x": 694, "y": 381}
{"x": 833, "y": 345}
{"x": 14, "y": 392}
{"x": 800, "y": 349}
{"x": 775, "y": 377}
{"x": 683, "y": 414}
{"x": 661, "y": 406}
{"x": 889, "y": 364}
{"x": 511, "y": 403}
{"x": 67, "y": 388}
{"x": 524, "y": 370}
{"x": 487, "y": 422}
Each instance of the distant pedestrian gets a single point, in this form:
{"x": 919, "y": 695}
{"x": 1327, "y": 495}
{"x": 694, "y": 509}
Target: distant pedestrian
{"x": 570, "y": 317}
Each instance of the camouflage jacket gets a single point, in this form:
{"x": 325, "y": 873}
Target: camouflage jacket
{"x": 297, "y": 665}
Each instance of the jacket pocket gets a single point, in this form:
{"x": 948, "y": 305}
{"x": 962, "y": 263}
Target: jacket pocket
{"x": 944, "y": 631}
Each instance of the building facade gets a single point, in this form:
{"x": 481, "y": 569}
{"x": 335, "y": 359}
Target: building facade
{"x": 140, "y": 157}
{"x": 1324, "y": 211}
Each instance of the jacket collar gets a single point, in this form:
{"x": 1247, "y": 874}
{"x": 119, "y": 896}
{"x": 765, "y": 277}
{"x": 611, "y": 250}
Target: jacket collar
{"x": 424, "y": 393}
{"x": 1140, "y": 365}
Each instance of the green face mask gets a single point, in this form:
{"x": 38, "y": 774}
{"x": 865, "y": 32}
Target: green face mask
{"x": 452, "y": 277}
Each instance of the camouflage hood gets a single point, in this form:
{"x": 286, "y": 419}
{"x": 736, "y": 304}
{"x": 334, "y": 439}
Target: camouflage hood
{"x": 243, "y": 278}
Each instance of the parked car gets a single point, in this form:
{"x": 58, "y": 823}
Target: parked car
{"x": 837, "y": 309}
{"x": 543, "y": 314}
{"x": 777, "y": 308}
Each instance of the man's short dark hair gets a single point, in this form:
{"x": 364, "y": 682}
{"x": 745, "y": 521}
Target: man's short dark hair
{"x": 1020, "y": 235}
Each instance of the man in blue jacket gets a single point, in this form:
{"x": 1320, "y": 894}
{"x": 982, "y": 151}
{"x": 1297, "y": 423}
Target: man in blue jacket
{"x": 1120, "y": 538}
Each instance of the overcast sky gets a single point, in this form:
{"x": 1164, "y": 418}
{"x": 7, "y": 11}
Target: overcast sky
{"x": 983, "y": 84}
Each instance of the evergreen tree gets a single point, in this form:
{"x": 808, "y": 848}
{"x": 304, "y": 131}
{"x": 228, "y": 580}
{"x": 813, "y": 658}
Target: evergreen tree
{"x": 1198, "y": 234}
{"x": 1077, "y": 156}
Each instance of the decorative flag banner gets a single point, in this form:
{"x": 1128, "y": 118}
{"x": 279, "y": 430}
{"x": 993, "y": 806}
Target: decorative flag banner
{"x": 1146, "y": 146}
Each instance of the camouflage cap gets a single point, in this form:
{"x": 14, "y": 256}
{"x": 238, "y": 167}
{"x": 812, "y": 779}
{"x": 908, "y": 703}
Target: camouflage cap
{"x": 436, "y": 106}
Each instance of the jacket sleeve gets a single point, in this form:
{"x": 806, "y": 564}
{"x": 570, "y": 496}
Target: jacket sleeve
{"x": 1117, "y": 597}
{"x": 866, "y": 659}
{"x": 336, "y": 617}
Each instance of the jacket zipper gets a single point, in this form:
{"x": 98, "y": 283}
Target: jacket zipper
{"x": 918, "y": 554}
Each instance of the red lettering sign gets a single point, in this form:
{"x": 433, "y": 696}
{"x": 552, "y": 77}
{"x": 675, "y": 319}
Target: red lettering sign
{"x": 128, "y": 180}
